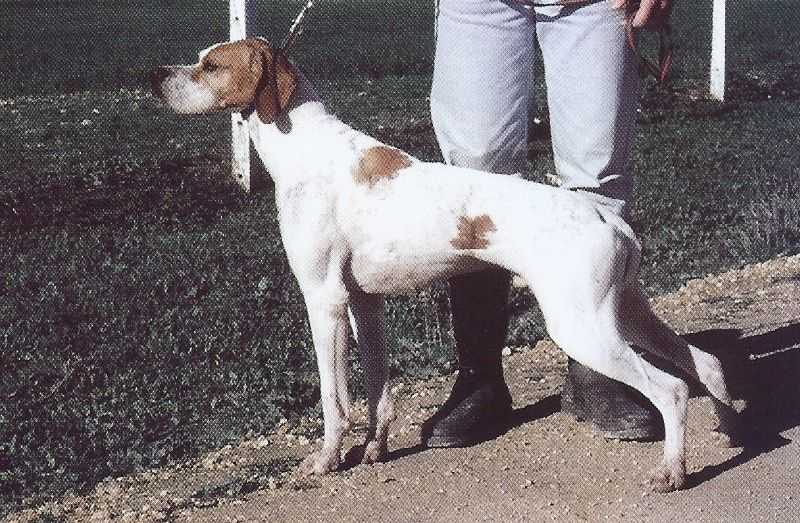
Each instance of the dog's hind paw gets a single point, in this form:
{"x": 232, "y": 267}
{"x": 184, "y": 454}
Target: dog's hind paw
{"x": 667, "y": 479}
{"x": 374, "y": 452}
{"x": 320, "y": 462}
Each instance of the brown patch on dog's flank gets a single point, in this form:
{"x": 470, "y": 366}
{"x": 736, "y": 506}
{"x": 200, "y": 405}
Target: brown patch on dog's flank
{"x": 379, "y": 163}
{"x": 472, "y": 232}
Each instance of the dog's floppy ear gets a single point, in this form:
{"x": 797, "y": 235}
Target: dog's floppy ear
{"x": 277, "y": 85}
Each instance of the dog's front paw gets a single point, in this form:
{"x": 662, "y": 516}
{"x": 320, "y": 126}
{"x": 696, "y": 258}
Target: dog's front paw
{"x": 665, "y": 478}
{"x": 320, "y": 462}
{"x": 374, "y": 452}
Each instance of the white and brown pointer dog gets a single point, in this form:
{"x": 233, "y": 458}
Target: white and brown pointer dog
{"x": 360, "y": 219}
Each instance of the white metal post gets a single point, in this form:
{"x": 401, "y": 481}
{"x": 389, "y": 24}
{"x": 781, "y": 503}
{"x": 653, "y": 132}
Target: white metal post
{"x": 240, "y": 12}
{"x": 718, "y": 50}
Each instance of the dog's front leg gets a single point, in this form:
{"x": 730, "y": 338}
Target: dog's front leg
{"x": 368, "y": 324}
{"x": 328, "y": 319}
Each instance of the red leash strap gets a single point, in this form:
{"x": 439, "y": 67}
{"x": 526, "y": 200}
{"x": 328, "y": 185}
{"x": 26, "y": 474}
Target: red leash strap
{"x": 662, "y": 69}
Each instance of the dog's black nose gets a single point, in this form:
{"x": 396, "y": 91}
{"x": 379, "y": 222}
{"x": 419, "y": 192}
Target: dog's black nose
{"x": 157, "y": 77}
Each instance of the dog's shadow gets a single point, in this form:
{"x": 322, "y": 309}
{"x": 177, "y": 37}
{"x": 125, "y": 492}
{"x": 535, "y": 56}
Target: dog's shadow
{"x": 763, "y": 370}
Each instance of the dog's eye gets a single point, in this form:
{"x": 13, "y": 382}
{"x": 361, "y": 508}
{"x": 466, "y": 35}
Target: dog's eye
{"x": 209, "y": 67}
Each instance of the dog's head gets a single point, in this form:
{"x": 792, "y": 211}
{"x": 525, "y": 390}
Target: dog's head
{"x": 232, "y": 76}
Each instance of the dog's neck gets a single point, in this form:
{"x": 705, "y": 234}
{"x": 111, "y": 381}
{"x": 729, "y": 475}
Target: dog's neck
{"x": 305, "y": 140}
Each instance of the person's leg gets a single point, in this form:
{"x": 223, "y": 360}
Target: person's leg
{"x": 592, "y": 95}
{"x": 479, "y": 104}
{"x": 480, "y": 401}
{"x": 481, "y": 84}
{"x": 593, "y": 91}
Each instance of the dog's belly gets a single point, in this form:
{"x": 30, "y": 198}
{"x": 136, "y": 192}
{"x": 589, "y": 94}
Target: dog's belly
{"x": 388, "y": 273}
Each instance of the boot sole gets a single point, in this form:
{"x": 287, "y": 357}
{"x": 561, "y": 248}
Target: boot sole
{"x": 447, "y": 441}
{"x": 646, "y": 433}
{"x": 459, "y": 441}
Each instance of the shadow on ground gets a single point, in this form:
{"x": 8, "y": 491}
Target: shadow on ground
{"x": 763, "y": 370}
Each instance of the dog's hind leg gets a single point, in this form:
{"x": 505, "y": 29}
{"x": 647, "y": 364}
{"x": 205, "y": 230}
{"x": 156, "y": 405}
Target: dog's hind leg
{"x": 368, "y": 318}
{"x": 644, "y": 329}
{"x": 328, "y": 318}
{"x": 605, "y": 351}
{"x": 582, "y": 318}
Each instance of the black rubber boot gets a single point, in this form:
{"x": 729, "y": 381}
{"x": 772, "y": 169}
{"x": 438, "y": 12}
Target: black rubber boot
{"x": 614, "y": 409}
{"x": 479, "y": 404}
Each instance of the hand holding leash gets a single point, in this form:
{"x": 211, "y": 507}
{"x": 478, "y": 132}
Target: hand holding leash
{"x": 652, "y": 15}
{"x": 646, "y": 14}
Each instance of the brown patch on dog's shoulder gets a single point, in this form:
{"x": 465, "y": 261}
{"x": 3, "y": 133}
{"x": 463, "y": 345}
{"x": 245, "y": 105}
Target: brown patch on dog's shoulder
{"x": 472, "y": 232}
{"x": 379, "y": 163}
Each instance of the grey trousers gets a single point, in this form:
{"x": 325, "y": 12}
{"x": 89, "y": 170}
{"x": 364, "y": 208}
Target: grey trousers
{"x": 482, "y": 87}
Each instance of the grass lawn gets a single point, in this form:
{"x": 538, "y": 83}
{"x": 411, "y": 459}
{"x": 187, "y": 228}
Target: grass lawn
{"x": 147, "y": 311}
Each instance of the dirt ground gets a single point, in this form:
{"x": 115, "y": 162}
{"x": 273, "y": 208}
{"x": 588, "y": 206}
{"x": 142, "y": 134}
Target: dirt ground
{"x": 545, "y": 467}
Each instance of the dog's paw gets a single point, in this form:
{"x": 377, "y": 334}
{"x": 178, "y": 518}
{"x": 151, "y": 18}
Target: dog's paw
{"x": 374, "y": 452}
{"x": 320, "y": 462}
{"x": 667, "y": 479}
